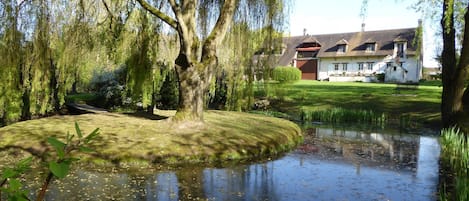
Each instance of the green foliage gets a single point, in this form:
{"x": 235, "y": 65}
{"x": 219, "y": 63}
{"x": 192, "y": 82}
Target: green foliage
{"x": 109, "y": 86}
{"x": 168, "y": 94}
{"x": 14, "y": 190}
{"x": 59, "y": 167}
{"x": 285, "y": 74}
{"x": 455, "y": 152}
{"x": 341, "y": 115}
{"x": 380, "y": 77}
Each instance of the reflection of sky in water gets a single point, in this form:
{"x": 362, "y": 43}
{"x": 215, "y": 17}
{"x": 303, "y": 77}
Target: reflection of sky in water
{"x": 342, "y": 165}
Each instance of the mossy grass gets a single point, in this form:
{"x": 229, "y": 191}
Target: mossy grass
{"x": 421, "y": 105}
{"x": 133, "y": 139}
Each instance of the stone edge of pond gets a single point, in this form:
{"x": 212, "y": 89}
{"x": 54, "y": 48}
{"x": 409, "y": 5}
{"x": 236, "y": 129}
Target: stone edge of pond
{"x": 291, "y": 137}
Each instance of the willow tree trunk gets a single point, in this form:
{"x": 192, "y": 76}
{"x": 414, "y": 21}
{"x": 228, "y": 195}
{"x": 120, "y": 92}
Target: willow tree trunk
{"x": 195, "y": 64}
{"x": 193, "y": 85}
{"x": 454, "y": 73}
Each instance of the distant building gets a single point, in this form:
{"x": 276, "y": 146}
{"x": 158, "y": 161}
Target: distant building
{"x": 357, "y": 56}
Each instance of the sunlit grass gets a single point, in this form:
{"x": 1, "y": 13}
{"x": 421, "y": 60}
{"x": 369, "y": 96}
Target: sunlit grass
{"x": 422, "y": 103}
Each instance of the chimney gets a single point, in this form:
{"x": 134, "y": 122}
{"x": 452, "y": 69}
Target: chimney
{"x": 420, "y": 22}
{"x": 363, "y": 27}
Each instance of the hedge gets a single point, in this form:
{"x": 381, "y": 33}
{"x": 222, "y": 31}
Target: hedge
{"x": 286, "y": 74}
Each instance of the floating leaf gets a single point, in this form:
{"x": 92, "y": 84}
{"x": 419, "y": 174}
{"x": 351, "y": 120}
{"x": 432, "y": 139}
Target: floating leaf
{"x": 59, "y": 170}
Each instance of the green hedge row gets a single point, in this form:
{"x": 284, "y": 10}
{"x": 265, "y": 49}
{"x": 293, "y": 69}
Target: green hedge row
{"x": 286, "y": 74}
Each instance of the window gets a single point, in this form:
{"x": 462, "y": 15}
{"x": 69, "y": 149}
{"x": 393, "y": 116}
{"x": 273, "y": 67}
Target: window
{"x": 400, "y": 50}
{"x": 370, "y": 47}
{"x": 344, "y": 66}
{"x": 341, "y": 48}
{"x": 388, "y": 64}
{"x": 360, "y": 66}
{"x": 394, "y": 68}
{"x": 401, "y": 64}
{"x": 370, "y": 65}
{"x": 336, "y": 67}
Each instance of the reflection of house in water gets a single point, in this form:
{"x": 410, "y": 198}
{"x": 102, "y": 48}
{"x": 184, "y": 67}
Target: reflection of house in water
{"x": 365, "y": 148}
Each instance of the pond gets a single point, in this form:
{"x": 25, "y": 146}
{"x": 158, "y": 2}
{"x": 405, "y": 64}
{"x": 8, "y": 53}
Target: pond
{"x": 332, "y": 164}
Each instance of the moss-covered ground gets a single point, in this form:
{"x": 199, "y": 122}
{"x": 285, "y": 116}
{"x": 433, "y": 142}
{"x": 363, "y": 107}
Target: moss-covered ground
{"x": 225, "y": 136}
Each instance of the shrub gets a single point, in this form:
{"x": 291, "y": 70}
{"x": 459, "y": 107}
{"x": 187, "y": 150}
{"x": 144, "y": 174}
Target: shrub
{"x": 380, "y": 77}
{"x": 286, "y": 74}
{"x": 109, "y": 86}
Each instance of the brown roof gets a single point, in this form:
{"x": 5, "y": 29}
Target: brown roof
{"x": 356, "y": 42}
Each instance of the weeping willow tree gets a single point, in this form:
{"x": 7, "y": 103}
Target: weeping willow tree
{"x": 43, "y": 54}
{"x": 239, "y": 69}
{"x": 74, "y": 47}
{"x": 143, "y": 77}
{"x": 10, "y": 62}
{"x": 201, "y": 27}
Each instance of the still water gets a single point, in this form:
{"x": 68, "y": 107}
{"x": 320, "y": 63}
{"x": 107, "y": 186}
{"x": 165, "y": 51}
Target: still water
{"x": 333, "y": 164}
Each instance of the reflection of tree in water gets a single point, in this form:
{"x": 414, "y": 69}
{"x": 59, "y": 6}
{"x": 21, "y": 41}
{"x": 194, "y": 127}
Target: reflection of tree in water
{"x": 190, "y": 182}
{"x": 361, "y": 148}
{"x": 254, "y": 182}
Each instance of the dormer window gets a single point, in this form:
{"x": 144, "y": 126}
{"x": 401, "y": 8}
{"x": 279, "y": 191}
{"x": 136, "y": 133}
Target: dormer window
{"x": 341, "y": 49}
{"x": 341, "y": 46}
{"x": 400, "y": 49}
{"x": 370, "y": 47}
{"x": 400, "y": 45}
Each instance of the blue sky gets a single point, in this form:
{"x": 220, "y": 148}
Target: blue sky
{"x": 336, "y": 16}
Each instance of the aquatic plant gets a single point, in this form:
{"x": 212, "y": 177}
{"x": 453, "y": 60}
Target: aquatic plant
{"x": 59, "y": 167}
{"x": 455, "y": 153}
{"x": 341, "y": 115}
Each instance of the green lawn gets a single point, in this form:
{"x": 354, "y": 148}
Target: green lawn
{"x": 421, "y": 104}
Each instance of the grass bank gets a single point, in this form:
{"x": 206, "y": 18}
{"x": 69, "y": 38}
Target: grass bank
{"x": 225, "y": 136}
{"x": 420, "y": 105}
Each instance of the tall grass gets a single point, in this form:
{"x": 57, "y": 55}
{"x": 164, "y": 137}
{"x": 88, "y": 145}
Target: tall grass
{"x": 341, "y": 115}
{"x": 455, "y": 152}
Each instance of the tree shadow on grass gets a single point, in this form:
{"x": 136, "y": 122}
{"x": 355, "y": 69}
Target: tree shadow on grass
{"x": 145, "y": 115}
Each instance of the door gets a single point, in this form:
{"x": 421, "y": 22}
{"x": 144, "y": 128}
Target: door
{"x": 309, "y": 69}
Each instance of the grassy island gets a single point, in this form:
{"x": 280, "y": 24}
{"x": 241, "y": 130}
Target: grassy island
{"x": 225, "y": 136}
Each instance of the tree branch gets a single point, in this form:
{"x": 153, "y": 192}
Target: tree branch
{"x": 223, "y": 22}
{"x": 167, "y": 19}
{"x": 464, "y": 60}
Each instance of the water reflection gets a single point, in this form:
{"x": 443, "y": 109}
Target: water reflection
{"x": 331, "y": 165}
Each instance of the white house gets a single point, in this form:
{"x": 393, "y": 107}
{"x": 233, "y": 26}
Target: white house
{"x": 357, "y": 56}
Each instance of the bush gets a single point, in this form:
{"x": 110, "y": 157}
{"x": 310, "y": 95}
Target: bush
{"x": 109, "y": 86}
{"x": 286, "y": 74}
{"x": 380, "y": 77}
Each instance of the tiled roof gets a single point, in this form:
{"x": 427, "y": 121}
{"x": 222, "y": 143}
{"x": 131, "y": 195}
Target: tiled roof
{"x": 356, "y": 42}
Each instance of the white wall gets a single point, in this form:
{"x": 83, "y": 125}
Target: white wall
{"x": 326, "y": 68}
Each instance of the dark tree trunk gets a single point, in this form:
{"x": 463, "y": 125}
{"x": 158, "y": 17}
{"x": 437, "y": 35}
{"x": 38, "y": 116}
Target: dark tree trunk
{"x": 454, "y": 74}
{"x": 191, "y": 184}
